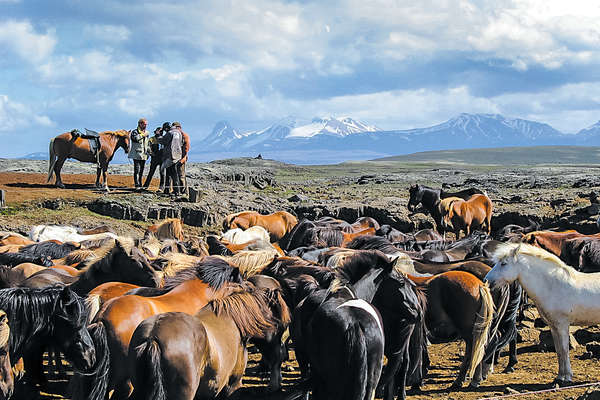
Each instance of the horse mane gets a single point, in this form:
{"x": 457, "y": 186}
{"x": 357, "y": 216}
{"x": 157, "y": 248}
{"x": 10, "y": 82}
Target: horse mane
{"x": 248, "y": 307}
{"x": 170, "y": 228}
{"x": 31, "y": 313}
{"x": 293, "y": 267}
{"x": 213, "y": 271}
{"x": 251, "y": 262}
{"x": 171, "y": 263}
{"x": 366, "y": 242}
{"x": 119, "y": 132}
{"x": 78, "y": 256}
{"x": 49, "y": 248}
{"x": 522, "y": 249}
{"x": 362, "y": 261}
{"x": 215, "y": 247}
{"x": 104, "y": 255}
{"x": 4, "y": 276}
{"x": 331, "y": 237}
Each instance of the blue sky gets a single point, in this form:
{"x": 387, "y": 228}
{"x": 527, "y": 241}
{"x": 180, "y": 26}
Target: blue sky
{"x": 400, "y": 64}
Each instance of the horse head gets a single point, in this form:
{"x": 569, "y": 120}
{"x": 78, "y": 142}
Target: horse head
{"x": 134, "y": 267}
{"x": 399, "y": 296}
{"x": 507, "y": 265}
{"x": 123, "y": 143}
{"x": 416, "y": 195}
{"x": 69, "y": 321}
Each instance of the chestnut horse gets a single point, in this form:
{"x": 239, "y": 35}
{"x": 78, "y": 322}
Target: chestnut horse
{"x": 170, "y": 228}
{"x": 113, "y": 327}
{"x": 180, "y": 356}
{"x": 69, "y": 145}
{"x": 277, "y": 224}
{"x": 466, "y": 215}
{"x": 554, "y": 242}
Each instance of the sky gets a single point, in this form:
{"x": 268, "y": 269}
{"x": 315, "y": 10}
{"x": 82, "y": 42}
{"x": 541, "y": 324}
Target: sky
{"x": 402, "y": 64}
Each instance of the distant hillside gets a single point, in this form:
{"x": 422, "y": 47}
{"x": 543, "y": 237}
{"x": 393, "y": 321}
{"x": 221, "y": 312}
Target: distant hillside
{"x": 507, "y": 155}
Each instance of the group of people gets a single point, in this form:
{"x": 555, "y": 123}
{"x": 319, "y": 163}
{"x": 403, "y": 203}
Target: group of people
{"x": 168, "y": 149}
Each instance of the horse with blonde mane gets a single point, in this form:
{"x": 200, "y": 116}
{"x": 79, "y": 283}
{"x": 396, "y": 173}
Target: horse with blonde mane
{"x": 562, "y": 295}
{"x": 71, "y": 145}
{"x": 170, "y": 228}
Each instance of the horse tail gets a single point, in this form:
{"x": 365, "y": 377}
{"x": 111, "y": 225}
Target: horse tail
{"x": 481, "y": 328}
{"x": 356, "y": 361}
{"x": 93, "y": 385}
{"x": 148, "y": 371}
{"x": 92, "y": 304}
{"x": 51, "y": 160}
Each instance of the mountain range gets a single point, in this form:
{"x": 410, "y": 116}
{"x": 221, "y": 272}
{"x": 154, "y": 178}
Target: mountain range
{"x": 346, "y": 138}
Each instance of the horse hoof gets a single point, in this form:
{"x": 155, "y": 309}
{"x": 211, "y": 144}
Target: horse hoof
{"x": 456, "y": 386}
{"x": 508, "y": 370}
{"x": 474, "y": 384}
{"x": 60, "y": 186}
{"x": 561, "y": 383}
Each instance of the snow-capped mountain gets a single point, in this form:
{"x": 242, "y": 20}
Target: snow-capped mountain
{"x": 351, "y": 137}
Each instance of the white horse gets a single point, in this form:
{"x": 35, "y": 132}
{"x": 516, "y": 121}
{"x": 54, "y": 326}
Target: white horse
{"x": 562, "y": 295}
{"x": 41, "y": 233}
{"x": 238, "y": 236}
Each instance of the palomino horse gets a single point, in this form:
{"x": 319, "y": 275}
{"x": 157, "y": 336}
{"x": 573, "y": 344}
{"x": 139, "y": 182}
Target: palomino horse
{"x": 562, "y": 295}
{"x": 69, "y": 145}
{"x": 113, "y": 327}
{"x": 466, "y": 215}
{"x": 277, "y": 224}
{"x": 180, "y": 356}
{"x": 170, "y": 228}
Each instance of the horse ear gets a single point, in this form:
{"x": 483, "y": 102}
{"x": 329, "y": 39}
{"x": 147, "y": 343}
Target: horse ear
{"x": 235, "y": 275}
{"x": 65, "y": 294}
{"x": 120, "y": 247}
{"x": 514, "y": 254}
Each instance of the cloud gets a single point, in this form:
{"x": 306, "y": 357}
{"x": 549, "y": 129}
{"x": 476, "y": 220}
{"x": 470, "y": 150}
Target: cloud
{"x": 15, "y": 116}
{"x": 107, "y": 33}
{"x": 19, "y": 37}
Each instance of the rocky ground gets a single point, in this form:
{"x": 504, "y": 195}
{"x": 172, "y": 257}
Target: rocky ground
{"x": 555, "y": 196}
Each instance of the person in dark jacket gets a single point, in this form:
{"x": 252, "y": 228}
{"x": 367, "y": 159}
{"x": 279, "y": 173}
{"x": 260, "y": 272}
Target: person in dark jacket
{"x": 172, "y": 142}
{"x": 139, "y": 151}
{"x": 156, "y": 153}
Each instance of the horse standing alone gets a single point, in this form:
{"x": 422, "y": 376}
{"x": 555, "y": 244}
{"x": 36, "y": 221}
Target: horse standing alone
{"x": 69, "y": 145}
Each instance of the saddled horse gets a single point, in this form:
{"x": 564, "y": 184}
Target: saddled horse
{"x": 467, "y": 215}
{"x": 70, "y": 145}
{"x": 188, "y": 292}
{"x": 181, "y": 356}
{"x": 277, "y": 224}
{"x": 562, "y": 295}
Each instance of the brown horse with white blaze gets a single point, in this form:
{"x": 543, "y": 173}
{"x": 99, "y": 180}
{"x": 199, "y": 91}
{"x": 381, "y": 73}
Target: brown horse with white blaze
{"x": 70, "y": 145}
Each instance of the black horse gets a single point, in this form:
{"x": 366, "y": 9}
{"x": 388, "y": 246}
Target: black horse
{"x": 53, "y": 316}
{"x": 430, "y": 199}
{"x": 340, "y": 335}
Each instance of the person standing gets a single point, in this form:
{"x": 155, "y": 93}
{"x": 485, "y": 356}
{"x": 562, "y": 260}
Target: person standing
{"x": 185, "y": 149}
{"x": 173, "y": 143}
{"x": 156, "y": 154}
{"x": 139, "y": 151}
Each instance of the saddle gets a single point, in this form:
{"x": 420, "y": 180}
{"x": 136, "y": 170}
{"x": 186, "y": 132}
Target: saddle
{"x": 93, "y": 138}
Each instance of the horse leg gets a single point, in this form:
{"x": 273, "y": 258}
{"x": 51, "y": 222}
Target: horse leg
{"x": 105, "y": 176}
{"x": 512, "y": 356}
{"x": 98, "y": 171}
{"x": 57, "y": 167}
{"x": 560, "y": 334}
{"x": 462, "y": 373}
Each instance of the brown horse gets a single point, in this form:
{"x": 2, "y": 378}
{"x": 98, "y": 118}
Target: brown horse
{"x": 69, "y": 145}
{"x": 277, "y": 224}
{"x": 13, "y": 238}
{"x": 181, "y": 356}
{"x": 459, "y": 304}
{"x": 466, "y": 215}
{"x": 554, "y": 242}
{"x": 113, "y": 327}
{"x": 170, "y": 228}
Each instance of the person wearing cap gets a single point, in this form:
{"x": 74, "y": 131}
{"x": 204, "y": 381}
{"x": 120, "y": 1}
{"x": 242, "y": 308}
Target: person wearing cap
{"x": 139, "y": 151}
{"x": 172, "y": 142}
{"x": 156, "y": 154}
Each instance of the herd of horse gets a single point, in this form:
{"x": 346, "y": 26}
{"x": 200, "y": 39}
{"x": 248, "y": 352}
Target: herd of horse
{"x": 171, "y": 316}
